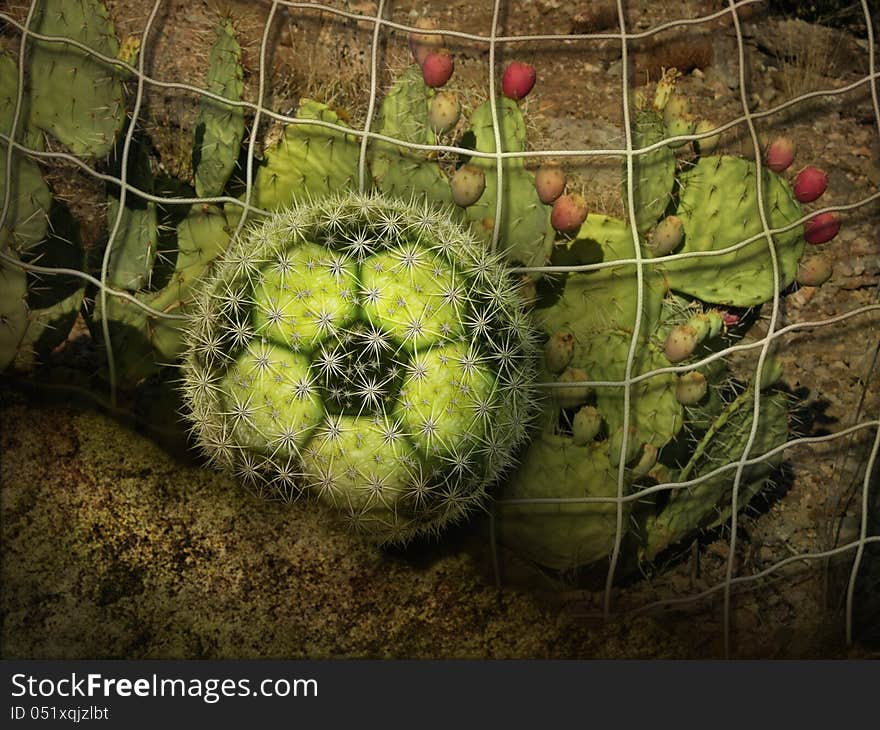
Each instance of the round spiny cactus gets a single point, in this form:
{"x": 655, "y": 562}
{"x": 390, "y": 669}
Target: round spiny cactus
{"x": 366, "y": 352}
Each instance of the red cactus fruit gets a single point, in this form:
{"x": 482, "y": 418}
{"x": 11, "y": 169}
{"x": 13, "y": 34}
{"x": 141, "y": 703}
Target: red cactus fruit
{"x": 821, "y": 228}
{"x": 568, "y": 214}
{"x": 437, "y": 68}
{"x": 780, "y": 154}
{"x": 809, "y": 184}
{"x": 549, "y": 182}
{"x": 518, "y": 80}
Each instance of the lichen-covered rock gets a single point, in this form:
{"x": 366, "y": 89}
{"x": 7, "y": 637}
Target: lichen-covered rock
{"x": 116, "y": 548}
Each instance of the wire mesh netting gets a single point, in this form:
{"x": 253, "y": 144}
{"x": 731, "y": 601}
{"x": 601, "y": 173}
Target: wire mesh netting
{"x": 366, "y": 39}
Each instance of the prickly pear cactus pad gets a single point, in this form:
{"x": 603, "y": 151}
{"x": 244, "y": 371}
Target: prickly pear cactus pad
{"x": 26, "y": 222}
{"x": 306, "y": 163}
{"x": 653, "y": 172}
{"x": 599, "y": 309}
{"x": 13, "y": 311}
{"x": 526, "y": 235}
{"x": 76, "y": 97}
{"x": 719, "y": 208}
{"x": 708, "y": 503}
{"x": 220, "y": 126}
{"x": 558, "y": 535}
{"x": 398, "y": 170}
{"x": 367, "y": 353}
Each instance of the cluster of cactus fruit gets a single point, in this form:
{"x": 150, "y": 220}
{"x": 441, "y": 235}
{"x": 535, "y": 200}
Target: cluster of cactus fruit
{"x": 372, "y": 350}
{"x": 685, "y": 427}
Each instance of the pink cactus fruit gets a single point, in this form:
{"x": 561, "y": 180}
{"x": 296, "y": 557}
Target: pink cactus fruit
{"x": 437, "y": 68}
{"x": 421, "y": 44}
{"x": 681, "y": 343}
{"x": 822, "y": 228}
{"x": 569, "y": 213}
{"x": 549, "y": 182}
{"x": 518, "y": 80}
{"x": 809, "y": 184}
{"x": 729, "y": 318}
{"x": 780, "y": 154}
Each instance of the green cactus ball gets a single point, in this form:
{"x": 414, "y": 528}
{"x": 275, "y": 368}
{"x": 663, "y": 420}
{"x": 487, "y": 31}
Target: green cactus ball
{"x": 365, "y": 352}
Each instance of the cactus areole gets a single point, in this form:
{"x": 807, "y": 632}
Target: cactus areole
{"x": 367, "y": 353}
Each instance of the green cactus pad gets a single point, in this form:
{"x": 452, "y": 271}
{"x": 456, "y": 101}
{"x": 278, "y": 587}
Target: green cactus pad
{"x": 220, "y": 127}
{"x": 400, "y": 171}
{"x": 201, "y": 237}
{"x": 599, "y": 308}
{"x": 135, "y": 246}
{"x": 76, "y": 97}
{"x": 409, "y": 383}
{"x": 47, "y": 328}
{"x": 719, "y": 208}
{"x": 526, "y": 236}
{"x": 653, "y": 172}
{"x": 142, "y": 342}
{"x": 308, "y": 162}
{"x": 27, "y": 218}
{"x": 13, "y": 310}
{"x": 604, "y": 299}
{"x": 53, "y": 300}
{"x": 655, "y": 413}
{"x": 561, "y": 536}
{"x": 134, "y": 249}
{"x": 708, "y": 503}
{"x": 700, "y": 416}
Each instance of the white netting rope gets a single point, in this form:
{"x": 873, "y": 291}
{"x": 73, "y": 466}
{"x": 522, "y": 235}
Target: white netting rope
{"x": 366, "y": 135}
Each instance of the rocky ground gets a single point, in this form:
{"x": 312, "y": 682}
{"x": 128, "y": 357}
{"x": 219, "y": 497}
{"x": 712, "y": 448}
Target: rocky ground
{"x": 115, "y": 546}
